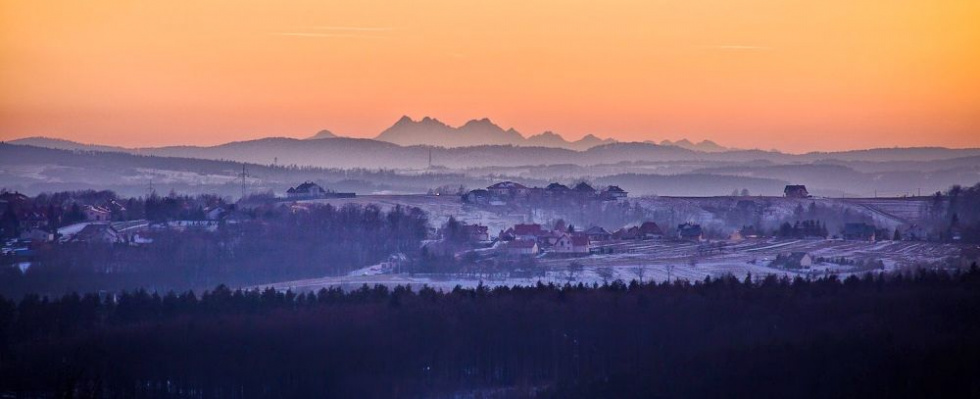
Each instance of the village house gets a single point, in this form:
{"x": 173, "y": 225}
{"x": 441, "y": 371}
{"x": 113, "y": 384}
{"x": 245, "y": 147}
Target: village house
{"x": 306, "y": 190}
{"x": 98, "y": 234}
{"x": 690, "y": 231}
{"x": 796, "y": 191}
{"x": 550, "y": 238}
{"x": 626, "y": 233}
{"x": 508, "y": 190}
{"x": 794, "y": 260}
{"x": 572, "y": 244}
{"x": 859, "y": 232}
{"x": 596, "y": 233}
{"x": 581, "y": 244}
{"x": 650, "y": 230}
{"x": 521, "y": 248}
{"x": 613, "y": 193}
{"x": 556, "y": 190}
{"x": 528, "y": 232}
{"x": 563, "y": 244}
{"x": 478, "y": 196}
{"x": 97, "y": 214}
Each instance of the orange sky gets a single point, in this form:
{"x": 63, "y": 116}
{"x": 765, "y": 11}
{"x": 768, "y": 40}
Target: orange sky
{"x": 787, "y": 74}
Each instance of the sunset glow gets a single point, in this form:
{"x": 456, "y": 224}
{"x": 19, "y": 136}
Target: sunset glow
{"x": 792, "y": 75}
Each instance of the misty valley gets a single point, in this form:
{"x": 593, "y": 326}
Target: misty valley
{"x": 621, "y": 278}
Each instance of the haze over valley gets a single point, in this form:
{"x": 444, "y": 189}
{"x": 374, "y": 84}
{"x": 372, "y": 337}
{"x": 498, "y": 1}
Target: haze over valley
{"x": 497, "y": 200}
{"x": 417, "y": 156}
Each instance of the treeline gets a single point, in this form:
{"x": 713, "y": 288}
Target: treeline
{"x": 275, "y": 243}
{"x": 898, "y": 336}
{"x": 962, "y": 219}
{"x": 808, "y": 228}
{"x": 50, "y": 211}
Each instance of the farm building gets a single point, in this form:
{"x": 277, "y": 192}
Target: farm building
{"x": 521, "y": 248}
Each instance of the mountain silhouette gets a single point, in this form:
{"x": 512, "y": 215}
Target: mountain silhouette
{"x": 703, "y": 146}
{"x": 476, "y": 132}
{"x": 323, "y": 134}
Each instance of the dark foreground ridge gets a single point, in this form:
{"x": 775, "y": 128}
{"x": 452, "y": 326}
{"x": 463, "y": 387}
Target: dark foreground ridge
{"x": 895, "y": 336}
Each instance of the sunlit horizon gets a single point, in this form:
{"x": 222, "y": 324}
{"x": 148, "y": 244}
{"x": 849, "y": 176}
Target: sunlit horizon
{"x": 796, "y": 77}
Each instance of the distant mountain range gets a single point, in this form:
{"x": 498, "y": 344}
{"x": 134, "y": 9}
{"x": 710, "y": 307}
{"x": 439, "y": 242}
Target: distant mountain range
{"x": 368, "y": 166}
{"x": 340, "y": 152}
{"x": 432, "y": 132}
{"x": 703, "y": 146}
{"x": 478, "y": 132}
{"x": 409, "y": 144}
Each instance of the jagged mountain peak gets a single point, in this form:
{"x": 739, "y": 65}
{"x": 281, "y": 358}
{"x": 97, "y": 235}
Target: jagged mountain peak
{"x": 483, "y": 123}
{"x": 476, "y": 132}
{"x": 703, "y": 145}
{"x": 323, "y": 134}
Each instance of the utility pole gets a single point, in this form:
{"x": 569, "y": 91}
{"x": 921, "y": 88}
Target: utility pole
{"x": 244, "y": 175}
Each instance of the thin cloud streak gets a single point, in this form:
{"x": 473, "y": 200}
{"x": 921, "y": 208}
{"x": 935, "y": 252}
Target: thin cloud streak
{"x": 329, "y": 35}
{"x": 739, "y": 47}
{"x": 353, "y": 28}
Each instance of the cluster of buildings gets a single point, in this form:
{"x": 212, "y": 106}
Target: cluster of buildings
{"x": 507, "y": 192}
{"x": 22, "y": 220}
{"x": 796, "y": 191}
{"x": 532, "y": 239}
{"x": 310, "y": 190}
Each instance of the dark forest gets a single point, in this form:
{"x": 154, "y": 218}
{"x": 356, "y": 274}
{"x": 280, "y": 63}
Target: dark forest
{"x": 904, "y": 335}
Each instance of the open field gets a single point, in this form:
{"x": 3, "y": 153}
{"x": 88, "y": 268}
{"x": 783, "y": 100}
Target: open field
{"x": 441, "y": 207}
{"x": 655, "y": 260}
{"x": 885, "y": 212}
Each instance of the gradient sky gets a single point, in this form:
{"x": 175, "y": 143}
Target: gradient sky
{"x": 786, "y": 74}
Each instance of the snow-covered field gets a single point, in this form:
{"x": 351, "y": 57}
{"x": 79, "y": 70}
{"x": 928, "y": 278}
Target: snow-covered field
{"x": 655, "y": 260}
{"x": 886, "y": 213}
{"x": 660, "y": 260}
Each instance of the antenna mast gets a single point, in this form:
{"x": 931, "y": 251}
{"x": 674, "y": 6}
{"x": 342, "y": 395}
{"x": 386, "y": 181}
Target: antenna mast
{"x": 244, "y": 175}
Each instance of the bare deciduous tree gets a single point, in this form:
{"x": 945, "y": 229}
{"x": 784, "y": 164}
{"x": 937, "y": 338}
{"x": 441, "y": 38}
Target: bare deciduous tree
{"x": 606, "y": 273}
{"x": 639, "y": 271}
{"x": 573, "y": 269}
